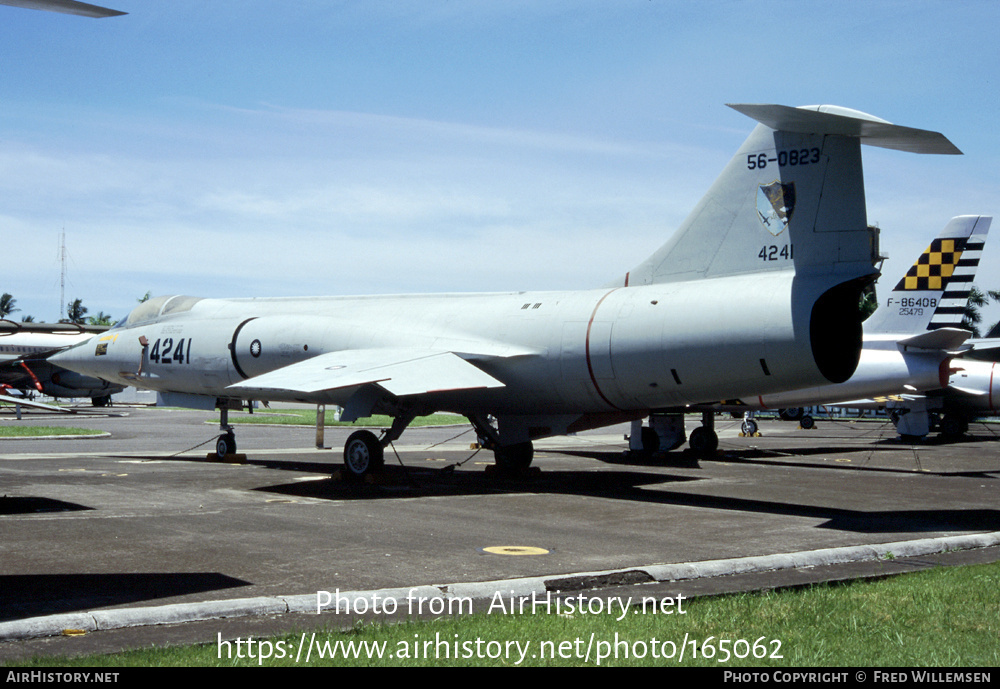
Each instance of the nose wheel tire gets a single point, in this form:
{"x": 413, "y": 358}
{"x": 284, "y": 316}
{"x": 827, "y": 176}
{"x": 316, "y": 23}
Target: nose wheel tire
{"x": 363, "y": 454}
{"x": 225, "y": 445}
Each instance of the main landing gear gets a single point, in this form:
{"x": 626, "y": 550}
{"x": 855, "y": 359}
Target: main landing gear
{"x": 511, "y": 460}
{"x": 364, "y": 452}
{"x": 514, "y": 459}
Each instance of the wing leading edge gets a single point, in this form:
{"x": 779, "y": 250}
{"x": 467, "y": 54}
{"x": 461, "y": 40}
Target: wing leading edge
{"x": 401, "y": 372}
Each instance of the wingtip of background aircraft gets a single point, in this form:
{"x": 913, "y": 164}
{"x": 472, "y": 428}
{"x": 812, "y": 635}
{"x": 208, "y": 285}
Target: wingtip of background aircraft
{"x": 81, "y": 9}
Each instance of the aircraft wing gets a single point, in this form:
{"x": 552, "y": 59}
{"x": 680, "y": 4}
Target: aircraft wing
{"x": 399, "y": 371}
{"x": 7, "y": 397}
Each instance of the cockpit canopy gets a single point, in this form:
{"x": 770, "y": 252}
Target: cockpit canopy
{"x": 157, "y": 307}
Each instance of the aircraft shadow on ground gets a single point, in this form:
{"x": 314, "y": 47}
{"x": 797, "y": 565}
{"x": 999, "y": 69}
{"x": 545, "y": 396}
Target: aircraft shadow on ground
{"x": 633, "y": 486}
{"x": 36, "y": 505}
{"x": 784, "y": 457}
{"x": 409, "y": 482}
{"x": 787, "y": 458}
{"x": 32, "y": 595}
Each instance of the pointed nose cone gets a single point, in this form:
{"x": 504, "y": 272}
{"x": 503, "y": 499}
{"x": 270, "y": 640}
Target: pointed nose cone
{"x": 81, "y": 358}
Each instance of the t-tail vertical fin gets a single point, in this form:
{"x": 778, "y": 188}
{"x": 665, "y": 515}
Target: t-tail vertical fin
{"x": 786, "y": 219}
{"x": 791, "y": 197}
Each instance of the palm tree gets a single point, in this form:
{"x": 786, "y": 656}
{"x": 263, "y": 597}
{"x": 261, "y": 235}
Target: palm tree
{"x": 100, "y": 319}
{"x": 971, "y": 317}
{"x": 994, "y": 330}
{"x": 7, "y": 305}
{"x": 75, "y": 311}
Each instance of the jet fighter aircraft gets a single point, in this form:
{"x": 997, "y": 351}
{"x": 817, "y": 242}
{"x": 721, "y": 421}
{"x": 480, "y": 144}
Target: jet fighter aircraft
{"x": 784, "y": 226}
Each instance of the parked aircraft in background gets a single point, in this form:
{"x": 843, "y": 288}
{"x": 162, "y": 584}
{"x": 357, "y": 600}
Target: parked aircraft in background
{"x": 969, "y": 387}
{"x": 24, "y": 367}
{"x": 909, "y": 342}
{"x": 973, "y": 391}
{"x": 784, "y": 227}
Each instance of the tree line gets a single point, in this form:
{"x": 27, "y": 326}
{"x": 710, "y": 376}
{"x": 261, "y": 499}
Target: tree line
{"x": 76, "y": 312}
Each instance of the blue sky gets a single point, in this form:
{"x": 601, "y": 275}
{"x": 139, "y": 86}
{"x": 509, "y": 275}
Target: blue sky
{"x": 297, "y": 148}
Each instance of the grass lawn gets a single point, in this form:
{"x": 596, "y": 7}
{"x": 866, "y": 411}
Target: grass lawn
{"x": 307, "y": 417}
{"x": 944, "y": 617}
{"x": 38, "y": 431}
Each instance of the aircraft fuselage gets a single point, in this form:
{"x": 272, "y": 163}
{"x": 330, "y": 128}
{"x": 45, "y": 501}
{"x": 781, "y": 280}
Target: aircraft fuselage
{"x": 604, "y": 350}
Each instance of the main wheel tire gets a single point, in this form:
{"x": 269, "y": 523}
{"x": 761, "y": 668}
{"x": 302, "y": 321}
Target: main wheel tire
{"x": 650, "y": 440}
{"x": 515, "y": 458}
{"x": 790, "y": 414}
{"x": 363, "y": 454}
{"x": 807, "y": 422}
{"x": 703, "y": 442}
{"x": 953, "y": 426}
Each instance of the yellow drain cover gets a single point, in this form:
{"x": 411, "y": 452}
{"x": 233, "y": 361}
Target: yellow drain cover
{"x": 515, "y": 550}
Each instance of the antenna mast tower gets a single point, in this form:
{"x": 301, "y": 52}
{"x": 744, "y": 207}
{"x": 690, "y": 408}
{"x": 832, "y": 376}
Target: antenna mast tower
{"x": 62, "y": 275}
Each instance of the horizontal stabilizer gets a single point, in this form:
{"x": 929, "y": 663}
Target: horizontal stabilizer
{"x": 832, "y": 119}
{"x": 943, "y": 339}
{"x": 985, "y": 343}
{"x": 400, "y": 371}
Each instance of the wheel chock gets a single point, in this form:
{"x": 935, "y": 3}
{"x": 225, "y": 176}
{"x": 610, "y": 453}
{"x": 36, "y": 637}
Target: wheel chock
{"x": 236, "y": 458}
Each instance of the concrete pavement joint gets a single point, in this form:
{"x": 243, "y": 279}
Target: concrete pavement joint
{"x": 54, "y": 625}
